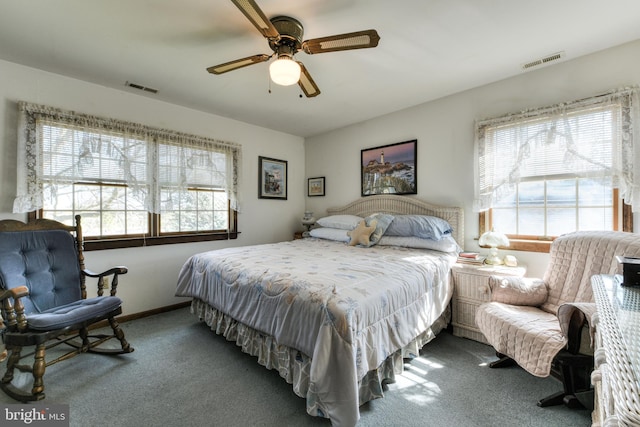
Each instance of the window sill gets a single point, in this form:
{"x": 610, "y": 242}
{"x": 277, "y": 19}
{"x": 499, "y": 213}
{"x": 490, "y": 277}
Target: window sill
{"x": 529, "y": 245}
{"x": 543, "y": 246}
{"x": 137, "y": 242}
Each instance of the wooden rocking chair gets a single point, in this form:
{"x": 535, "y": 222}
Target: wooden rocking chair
{"x": 44, "y": 300}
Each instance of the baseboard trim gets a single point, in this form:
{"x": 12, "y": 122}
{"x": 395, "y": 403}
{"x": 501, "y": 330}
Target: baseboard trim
{"x": 141, "y": 314}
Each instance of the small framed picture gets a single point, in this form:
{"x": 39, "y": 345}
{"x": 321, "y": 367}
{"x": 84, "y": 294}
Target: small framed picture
{"x": 315, "y": 186}
{"x": 272, "y": 178}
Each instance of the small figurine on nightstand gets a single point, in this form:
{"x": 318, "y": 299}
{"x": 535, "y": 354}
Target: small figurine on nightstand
{"x": 510, "y": 261}
{"x": 308, "y": 220}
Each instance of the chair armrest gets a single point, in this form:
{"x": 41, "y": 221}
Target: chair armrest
{"x": 575, "y": 323}
{"x": 13, "y": 309}
{"x": 103, "y": 282}
{"x": 114, "y": 270}
{"x": 17, "y": 292}
{"x": 9, "y": 313}
{"x": 518, "y": 290}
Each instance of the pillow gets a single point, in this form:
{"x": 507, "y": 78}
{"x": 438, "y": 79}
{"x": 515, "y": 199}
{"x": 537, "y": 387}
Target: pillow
{"x": 424, "y": 226}
{"x": 344, "y": 222}
{"x": 382, "y": 223}
{"x": 330, "y": 234}
{"x": 518, "y": 290}
{"x": 446, "y": 244}
{"x": 360, "y": 234}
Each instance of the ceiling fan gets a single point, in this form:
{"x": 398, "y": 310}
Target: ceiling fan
{"x": 285, "y": 39}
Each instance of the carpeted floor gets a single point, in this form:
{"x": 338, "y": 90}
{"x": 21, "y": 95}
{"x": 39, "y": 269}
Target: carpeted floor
{"x": 182, "y": 374}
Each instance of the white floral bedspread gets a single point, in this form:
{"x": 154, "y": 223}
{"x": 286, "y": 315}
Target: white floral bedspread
{"x": 347, "y": 307}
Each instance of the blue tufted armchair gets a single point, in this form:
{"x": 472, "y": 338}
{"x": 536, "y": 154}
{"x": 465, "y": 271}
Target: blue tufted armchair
{"x": 44, "y": 300}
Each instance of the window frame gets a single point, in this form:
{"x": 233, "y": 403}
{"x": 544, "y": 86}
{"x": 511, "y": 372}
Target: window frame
{"x": 622, "y": 220}
{"x": 624, "y": 198}
{"x": 154, "y": 237}
{"x": 34, "y": 177}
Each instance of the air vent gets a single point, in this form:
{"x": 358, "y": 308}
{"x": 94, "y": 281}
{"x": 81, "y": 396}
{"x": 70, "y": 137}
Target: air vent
{"x": 140, "y": 87}
{"x": 543, "y": 61}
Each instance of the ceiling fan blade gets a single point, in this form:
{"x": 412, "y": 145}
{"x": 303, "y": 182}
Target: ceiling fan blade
{"x": 306, "y": 83}
{"x": 257, "y": 18}
{"x": 238, "y": 63}
{"x": 348, "y": 41}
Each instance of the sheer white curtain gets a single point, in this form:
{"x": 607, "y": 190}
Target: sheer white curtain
{"x": 153, "y": 163}
{"x": 598, "y": 136}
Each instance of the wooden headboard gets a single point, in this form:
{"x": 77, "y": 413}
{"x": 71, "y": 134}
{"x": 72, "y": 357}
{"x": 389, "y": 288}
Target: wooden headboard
{"x": 403, "y": 205}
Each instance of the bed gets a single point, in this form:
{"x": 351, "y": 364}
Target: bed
{"x": 335, "y": 320}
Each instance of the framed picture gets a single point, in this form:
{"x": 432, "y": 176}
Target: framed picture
{"x": 315, "y": 186}
{"x": 389, "y": 169}
{"x": 272, "y": 178}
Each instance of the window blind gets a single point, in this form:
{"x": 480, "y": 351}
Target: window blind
{"x": 58, "y": 147}
{"x": 587, "y": 138}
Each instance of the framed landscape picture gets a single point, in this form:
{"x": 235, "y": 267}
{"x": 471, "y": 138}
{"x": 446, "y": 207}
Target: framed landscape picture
{"x": 272, "y": 178}
{"x": 315, "y": 186}
{"x": 389, "y": 169}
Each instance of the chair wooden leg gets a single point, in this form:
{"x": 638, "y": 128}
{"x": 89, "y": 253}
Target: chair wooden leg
{"x": 14, "y": 358}
{"x": 37, "y": 371}
{"x": 117, "y": 331}
{"x": 39, "y": 366}
{"x": 84, "y": 337}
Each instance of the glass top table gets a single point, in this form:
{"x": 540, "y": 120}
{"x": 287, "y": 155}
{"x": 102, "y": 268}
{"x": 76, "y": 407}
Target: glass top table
{"x": 619, "y": 325}
{"x": 625, "y": 303}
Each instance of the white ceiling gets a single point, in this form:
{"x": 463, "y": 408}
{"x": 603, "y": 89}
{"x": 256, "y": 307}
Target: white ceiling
{"x": 428, "y": 49}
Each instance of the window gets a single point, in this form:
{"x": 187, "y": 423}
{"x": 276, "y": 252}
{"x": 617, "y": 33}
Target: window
{"x": 131, "y": 184}
{"x": 550, "y": 171}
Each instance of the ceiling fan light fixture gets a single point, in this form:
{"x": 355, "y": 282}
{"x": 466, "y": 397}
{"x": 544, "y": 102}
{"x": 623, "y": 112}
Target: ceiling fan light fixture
{"x": 285, "y": 37}
{"x": 284, "y": 71}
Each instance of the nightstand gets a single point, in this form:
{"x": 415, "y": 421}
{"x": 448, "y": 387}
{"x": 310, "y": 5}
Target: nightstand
{"x": 297, "y": 235}
{"x": 468, "y": 282}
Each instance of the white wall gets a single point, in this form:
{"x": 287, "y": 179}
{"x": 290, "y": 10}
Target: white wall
{"x": 152, "y": 275}
{"x": 445, "y": 130}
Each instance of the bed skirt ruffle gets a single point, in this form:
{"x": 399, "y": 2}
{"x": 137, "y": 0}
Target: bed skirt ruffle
{"x": 295, "y": 366}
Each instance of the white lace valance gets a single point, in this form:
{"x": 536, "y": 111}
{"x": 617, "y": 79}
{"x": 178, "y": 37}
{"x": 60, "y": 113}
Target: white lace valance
{"x": 148, "y": 160}
{"x": 508, "y": 147}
